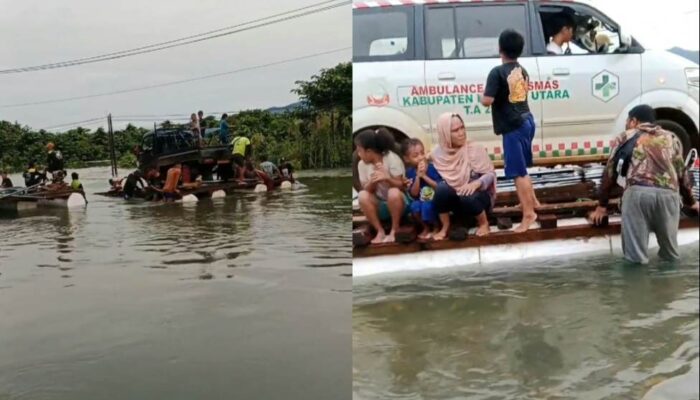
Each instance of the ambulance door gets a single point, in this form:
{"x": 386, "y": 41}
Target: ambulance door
{"x": 461, "y": 49}
{"x": 585, "y": 92}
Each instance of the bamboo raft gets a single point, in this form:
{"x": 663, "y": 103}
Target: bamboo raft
{"x": 61, "y": 196}
{"x": 206, "y": 189}
{"x": 562, "y": 228}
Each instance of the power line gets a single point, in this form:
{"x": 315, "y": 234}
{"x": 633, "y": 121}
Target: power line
{"x": 97, "y": 119}
{"x": 90, "y": 96}
{"x": 183, "y": 41}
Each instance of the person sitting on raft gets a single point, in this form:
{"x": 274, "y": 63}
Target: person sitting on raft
{"x": 422, "y": 179}
{"x": 6, "y": 181}
{"x": 269, "y": 168}
{"x": 250, "y": 173}
{"x": 170, "y": 190}
{"x": 32, "y": 176}
{"x": 381, "y": 175}
{"x": 469, "y": 186}
{"x": 287, "y": 170}
{"x": 132, "y": 183}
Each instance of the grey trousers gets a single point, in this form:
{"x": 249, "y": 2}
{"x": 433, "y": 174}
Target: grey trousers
{"x": 646, "y": 210}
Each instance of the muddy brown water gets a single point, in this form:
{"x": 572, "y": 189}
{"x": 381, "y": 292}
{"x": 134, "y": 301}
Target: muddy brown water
{"x": 243, "y": 297}
{"x": 579, "y": 328}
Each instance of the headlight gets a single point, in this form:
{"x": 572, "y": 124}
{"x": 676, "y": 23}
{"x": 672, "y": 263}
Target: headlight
{"x": 693, "y": 76}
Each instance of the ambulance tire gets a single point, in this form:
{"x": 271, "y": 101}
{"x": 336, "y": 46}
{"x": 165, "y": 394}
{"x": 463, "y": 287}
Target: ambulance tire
{"x": 678, "y": 130}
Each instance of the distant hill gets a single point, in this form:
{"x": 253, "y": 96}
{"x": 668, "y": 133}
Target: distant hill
{"x": 288, "y": 107}
{"x": 692, "y": 55}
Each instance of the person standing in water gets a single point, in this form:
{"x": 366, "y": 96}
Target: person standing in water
{"x": 170, "y": 190}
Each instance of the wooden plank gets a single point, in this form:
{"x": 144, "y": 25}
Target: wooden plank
{"x": 571, "y": 160}
{"x": 361, "y": 236}
{"x": 406, "y": 234}
{"x": 574, "y": 208}
{"x": 559, "y": 194}
{"x": 501, "y": 238}
{"x": 504, "y": 223}
{"x": 547, "y": 221}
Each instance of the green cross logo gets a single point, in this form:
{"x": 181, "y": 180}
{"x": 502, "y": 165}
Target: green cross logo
{"x": 605, "y": 85}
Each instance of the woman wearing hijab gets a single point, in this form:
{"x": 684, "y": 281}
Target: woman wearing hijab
{"x": 469, "y": 179}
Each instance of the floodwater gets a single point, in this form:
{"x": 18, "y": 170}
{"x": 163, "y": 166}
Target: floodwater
{"x": 592, "y": 328}
{"x": 237, "y": 298}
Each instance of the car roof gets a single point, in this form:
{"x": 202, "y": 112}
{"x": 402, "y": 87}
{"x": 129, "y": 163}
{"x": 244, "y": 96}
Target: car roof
{"x": 392, "y": 3}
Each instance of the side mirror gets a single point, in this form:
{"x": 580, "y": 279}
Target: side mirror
{"x": 625, "y": 40}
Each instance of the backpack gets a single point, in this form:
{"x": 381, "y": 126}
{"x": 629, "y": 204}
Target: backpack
{"x": 622, "y": 158}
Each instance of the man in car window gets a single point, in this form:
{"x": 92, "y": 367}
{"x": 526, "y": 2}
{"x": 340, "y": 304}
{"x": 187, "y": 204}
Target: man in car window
{"x": 563, "y": 26}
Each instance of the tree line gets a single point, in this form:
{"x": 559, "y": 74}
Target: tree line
{"x": 315, "y": 134}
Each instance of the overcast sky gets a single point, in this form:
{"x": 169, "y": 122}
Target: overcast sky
{"x": 37, "y": 32}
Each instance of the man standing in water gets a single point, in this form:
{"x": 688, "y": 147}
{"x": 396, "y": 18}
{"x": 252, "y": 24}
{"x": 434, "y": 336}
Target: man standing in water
{"x": 650, "y": 160}
{"x": 170, "y": 190}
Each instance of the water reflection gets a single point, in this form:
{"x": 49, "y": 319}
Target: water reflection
{"x": 589, "y": 329}
{"x": 242, "y": 297}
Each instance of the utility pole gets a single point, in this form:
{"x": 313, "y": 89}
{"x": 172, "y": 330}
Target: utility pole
{"x": 112, "y": 153}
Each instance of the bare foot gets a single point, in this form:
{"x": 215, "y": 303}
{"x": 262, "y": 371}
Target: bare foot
{"x": 440, "y": 235}
{"x": 525, "y": 223}
{"x": 483, "y": 230}
{"x": 425, "y": 234}
{"x": 389, "y": 238}
{"x": 379, "y": 238}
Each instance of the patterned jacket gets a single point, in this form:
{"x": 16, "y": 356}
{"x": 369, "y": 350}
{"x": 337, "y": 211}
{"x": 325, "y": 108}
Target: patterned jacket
{"x": 657, "y": 161}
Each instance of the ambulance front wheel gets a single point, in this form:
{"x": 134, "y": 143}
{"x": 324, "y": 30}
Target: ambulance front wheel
{"x": 678, "y": 130}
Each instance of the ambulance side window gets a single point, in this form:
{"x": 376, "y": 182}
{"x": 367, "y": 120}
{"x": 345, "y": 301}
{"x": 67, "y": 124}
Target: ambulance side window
{"x": 476, "y": 32}
{"x": 382, "y": 34}
{"x": 593, "y": 33}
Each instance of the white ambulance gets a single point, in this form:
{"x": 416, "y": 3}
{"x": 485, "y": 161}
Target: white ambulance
{"x": 415, "y": 59}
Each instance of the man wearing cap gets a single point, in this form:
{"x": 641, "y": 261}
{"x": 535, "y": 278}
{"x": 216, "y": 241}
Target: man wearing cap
{"x": 648, "y": 162}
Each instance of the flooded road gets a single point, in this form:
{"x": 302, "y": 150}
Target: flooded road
{"x": 242, "y": 297}
{"x": 590, "y": 328}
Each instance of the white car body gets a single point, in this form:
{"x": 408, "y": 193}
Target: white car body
{"x": 580, "y": 101}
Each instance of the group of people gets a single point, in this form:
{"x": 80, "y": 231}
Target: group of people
{"x": 183, "y": 176}
{"x": 458, "y": 176}
{"x": 198, "y": 128}
{"x": 52, "y": 177}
